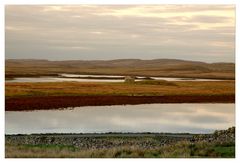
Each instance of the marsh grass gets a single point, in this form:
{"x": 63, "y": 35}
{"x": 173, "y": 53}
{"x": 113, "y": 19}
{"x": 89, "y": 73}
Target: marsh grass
{"x": 139, "y": 88}
{"x": 156, "y": 82}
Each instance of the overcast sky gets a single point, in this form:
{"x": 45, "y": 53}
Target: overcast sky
{"x": 90, "y": 32}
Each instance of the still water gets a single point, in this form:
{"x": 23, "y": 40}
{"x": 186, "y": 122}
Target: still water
{"x": 191, "y": 118}
{"x": 83, "y": 78}
{"x": 56, "y": 79}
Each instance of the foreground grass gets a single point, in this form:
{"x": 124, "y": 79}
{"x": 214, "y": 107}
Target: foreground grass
{"x": 146, "y": 88}
{"x": 179, "y": 150}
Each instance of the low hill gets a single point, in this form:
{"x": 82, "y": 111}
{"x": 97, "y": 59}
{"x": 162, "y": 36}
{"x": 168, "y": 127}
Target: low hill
{"x": 156, "y": 67}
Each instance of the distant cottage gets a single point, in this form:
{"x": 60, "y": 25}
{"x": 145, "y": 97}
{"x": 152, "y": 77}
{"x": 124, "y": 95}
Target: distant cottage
{"x": 129, "y": 79}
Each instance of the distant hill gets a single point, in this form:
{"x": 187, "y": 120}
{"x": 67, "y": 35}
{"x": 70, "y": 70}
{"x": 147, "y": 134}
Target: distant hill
{"x": 156, "y": 67}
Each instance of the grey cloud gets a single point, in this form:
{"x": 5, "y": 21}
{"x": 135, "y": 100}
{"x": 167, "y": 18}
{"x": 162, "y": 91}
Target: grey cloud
{"x": 210, "y": 19}
{"x": 82, "y": 33}
{"x": 209, "y": 119}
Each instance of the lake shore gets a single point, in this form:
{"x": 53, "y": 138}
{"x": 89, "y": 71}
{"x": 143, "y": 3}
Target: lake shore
{"x": 58, "y": 102}
{"x": 54, "y": 95}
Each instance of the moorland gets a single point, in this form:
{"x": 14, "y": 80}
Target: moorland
{"x": 26, "y": 96}
{"x": 52, "y": 95}
{"x": 156, "y": 67}
{"x": 55, "y": 95}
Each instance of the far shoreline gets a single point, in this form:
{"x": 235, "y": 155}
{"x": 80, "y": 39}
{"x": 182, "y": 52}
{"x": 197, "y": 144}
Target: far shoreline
{"x": 9, "y": 77}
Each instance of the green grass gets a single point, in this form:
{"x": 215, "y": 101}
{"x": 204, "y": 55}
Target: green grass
{"x": 225, "y": 151}
{"x": 179, "y": 150}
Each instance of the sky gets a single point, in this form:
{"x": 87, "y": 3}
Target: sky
{"x": 105, "y": 32}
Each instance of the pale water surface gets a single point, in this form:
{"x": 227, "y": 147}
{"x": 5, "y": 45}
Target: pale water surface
{"x": 56, "y": 79}
{"x": 191, "y": 118}
{"x": 73, "y": 77}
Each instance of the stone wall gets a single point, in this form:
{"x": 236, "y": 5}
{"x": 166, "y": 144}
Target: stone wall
{"x": 152, "y": 141}
{"x": 94, "y": 142}
{"x": 219, "y": 136}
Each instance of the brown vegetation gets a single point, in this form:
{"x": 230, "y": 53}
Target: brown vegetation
{"x": 143, "y": 88}
{"x": 56, "y": 102}
{"x": 157, "y": 67}
{"x": 31, "y": 96}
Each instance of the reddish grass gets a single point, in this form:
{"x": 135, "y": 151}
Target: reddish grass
{"x": 56, "y": 102}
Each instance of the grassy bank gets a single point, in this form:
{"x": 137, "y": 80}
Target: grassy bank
{"x": 178, "y": 150}
{"x": 58, "y": 102}
{"x": 146, "y": 88}
{"x": 54, "y": 95}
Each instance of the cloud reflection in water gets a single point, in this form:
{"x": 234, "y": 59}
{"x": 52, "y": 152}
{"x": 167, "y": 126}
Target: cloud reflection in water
{"x": 193, "y": 118}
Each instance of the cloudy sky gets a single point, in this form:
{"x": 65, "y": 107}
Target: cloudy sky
{"x": 86, "y": 32}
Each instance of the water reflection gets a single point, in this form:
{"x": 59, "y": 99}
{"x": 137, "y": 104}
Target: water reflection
{"x": 56, "y": 79}
{"x": 193, "y": 118}
{"x": 85, "y": 76}
{"x": 112, "y": 78}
